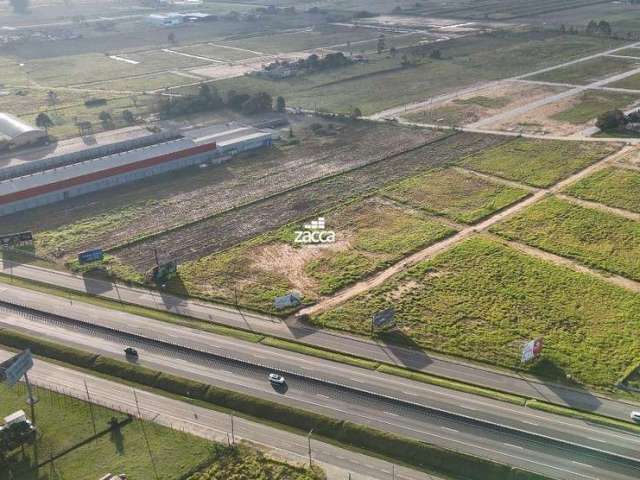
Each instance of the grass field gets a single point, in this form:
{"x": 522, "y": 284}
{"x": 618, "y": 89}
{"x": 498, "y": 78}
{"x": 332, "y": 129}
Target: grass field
{"x": 370, "y": 235}
{"x": 381, "y": 84}
{"x": 217, "y": 52}
{"x": 593, "y": 103}
{"x": 484, "y": 300}
{"x": 63, "y": 422}
{"x": 540, "y": 163}
{"x": 583, "y": 73}
{"x": 616, "y": 187}
{"x": 598, "y": 239}
{"x": 460, "y": 196}
{"x": 632, "y": 82}
{"x": 631, "y": 52}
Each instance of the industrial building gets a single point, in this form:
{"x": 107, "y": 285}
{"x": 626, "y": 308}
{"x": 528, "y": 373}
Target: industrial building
{"x": 14, "y": 133}
{"x": 56, "y": 179}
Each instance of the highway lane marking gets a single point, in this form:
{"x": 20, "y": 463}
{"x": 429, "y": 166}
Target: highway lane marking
{"x": 392, "y": 414}
{"x": 581, "y": 464}
{"x": 450, "y": 429}
{"x": 514, "y": 446}
{"x": 323, "y": 396}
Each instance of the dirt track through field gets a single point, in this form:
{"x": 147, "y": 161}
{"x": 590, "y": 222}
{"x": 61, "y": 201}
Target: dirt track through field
{"x": 229, "y": 228}
{"x": 430, "y": 252}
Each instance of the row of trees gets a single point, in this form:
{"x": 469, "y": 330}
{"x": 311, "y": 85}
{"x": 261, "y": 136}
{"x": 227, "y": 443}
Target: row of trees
{"x": 615, "y": 119}
{"x": 209, "y": 99}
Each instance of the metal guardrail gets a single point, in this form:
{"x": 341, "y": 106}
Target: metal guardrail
{"x": 166, "y": 344}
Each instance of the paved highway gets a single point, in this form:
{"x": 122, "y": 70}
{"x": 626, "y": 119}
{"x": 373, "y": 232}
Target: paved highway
{"x": 338, "y": 463}
{"x": 291, "y": 329}
{"x": 554, "y": 446}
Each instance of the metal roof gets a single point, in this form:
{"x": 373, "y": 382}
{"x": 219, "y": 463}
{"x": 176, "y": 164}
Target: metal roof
{"x": 12, "y": 127}
{"x": 91, "y": 166}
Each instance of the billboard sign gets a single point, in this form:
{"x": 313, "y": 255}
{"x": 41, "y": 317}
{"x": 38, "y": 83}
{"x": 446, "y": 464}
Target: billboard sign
{"x": 384, "y": 318}
{"x": 89, "y": 256}
{"x": 531, "y": 350}
{"x": 13, "y": 239}
{"x": 287, "y": 301}
{"x": 13, "y": 369}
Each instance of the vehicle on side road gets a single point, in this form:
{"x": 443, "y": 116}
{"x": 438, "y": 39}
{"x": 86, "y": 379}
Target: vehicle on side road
{"x": 277, "y": 379}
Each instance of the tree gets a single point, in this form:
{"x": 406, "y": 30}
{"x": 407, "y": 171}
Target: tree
{"x": 280, "y": 105}
{"x": 258, "y": 103}
{"x": 52, "y": 97}
{"x": 356, "y": 113}
{"x": 592, "y": 27}
{"x": 44, "y": 121}
{"x": 20, "y": 6}
{"x": 604, "y": 28}
{"x": 128, "y": 117}
{"x": 172, "y": 38}
{"x": 381, "y": 44}
{"x": 436, "y": 54}
{"x": 611, "y": 120}
{"x": 106, "y": 119}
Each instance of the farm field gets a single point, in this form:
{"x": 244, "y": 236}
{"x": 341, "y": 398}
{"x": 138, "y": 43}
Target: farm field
{"x": 230, "y": 228}
{"x": 598, "y": 239}
{"x": 463, "y": 197}
{"x": 592, "y": 103}
{"x": 615, "y": 187}
{"x": 216, "y": 51}
{"x": 483, "y": 300}
{"x": 116, "y": 216}
{"x": 539, "y": 163}
{"x": 64, "y": 421}
{"x": 589, "y": 71}
{"x": 370, "y": 235}
{"x": 482, "y": 104}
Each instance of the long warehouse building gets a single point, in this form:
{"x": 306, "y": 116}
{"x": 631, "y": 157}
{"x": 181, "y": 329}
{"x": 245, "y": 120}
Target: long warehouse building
{"x": 67, "y": 181}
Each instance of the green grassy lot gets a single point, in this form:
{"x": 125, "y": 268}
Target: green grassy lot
{"x": 63, "y": 422}
{"x": 216, "y": 52}
{"x": 593, "y": 103}
{"x": 483, "y": 300}
{"x": 632, "y": 82}
{"x": 540, "y": 163}
{"x": 616, "y": 187}
{"x": 631, "y": 52}
{"x": 380, "y": 84}
{"x": 588, "y": 71}
{"x": 370, "y": 235}
{"x": 145, "y": 83}
{"x": 598, "y": 239}
{"x": 463, "y": 197}
{"x": 318, "y": 36}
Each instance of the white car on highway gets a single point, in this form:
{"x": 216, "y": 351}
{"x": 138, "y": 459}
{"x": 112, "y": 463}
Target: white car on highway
{"x": 275, "y": 378}
{"x": 635, "y": 416}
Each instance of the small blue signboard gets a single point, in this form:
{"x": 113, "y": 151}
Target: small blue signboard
{"x": 91, "y": 256}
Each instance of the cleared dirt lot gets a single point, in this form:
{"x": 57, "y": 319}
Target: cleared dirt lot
{"x": 222, "y": 231}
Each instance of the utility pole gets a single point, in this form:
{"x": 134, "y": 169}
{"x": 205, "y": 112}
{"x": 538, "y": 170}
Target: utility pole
{"x": 309, "y": 440}
{"x": 144, "y": 434}
{"x": 233, "y": 436}
{"x": 93, "y": 418}
{"x": 31, "y": 399}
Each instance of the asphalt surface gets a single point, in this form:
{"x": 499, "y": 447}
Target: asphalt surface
{"x": 418, "y": 360}
{"x": 555, "y": 446}
{"x": 338, "y": 463}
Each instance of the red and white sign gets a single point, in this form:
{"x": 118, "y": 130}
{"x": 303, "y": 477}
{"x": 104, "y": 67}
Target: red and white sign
{"x": 531, "y": 350}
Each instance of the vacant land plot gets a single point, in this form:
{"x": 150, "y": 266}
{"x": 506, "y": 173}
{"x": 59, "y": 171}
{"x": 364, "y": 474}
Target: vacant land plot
{"x": 483, "y": 300}
{"x": 482, "y": 104}
{"x": 629, "y": 52}
{"x": 616, "y": 187}
{"x": 64, "y": 422}
{"x": 592, "y": 103}
{"x": 225, "y": 230}
{"x": 305, "y": 39}
{"x": 370, "y": 234}
{"x": 592, "y": 237}
{"x": 116, "y": 216}
{"x": 589, "y": 71}
{"x": 465, "y": 61}
{"x": 463, "y": 197}
{"x": 540, "y": 163}
{"x": 632, "y": 82}
{"x": 217, "y": 52}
